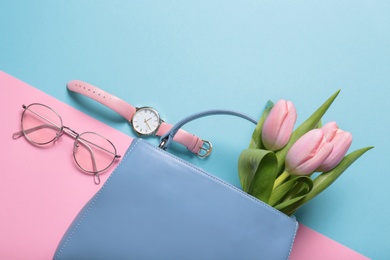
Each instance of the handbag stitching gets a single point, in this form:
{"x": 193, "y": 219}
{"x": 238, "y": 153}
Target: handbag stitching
{"x": 191, "y": 166}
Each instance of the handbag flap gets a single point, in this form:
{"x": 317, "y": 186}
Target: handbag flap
{"x": 157, "y": 206}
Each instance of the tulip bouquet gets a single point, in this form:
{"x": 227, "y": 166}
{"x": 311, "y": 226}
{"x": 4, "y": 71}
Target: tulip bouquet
{"x": 278, "y": 166}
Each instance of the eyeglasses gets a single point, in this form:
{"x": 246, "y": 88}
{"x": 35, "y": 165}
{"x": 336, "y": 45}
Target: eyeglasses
{"x": 92, "y": 152}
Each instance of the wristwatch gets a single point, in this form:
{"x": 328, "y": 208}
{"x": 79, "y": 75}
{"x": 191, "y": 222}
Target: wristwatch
{"x": 145, "y": 120}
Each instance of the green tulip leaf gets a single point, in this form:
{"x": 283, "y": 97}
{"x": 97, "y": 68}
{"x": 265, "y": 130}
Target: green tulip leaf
{"x": 319, "y": 125}
{"x": 257, "y": 172}
{"x": 300, "y": 191}
{"x": 279, "y": 192}
{"x": 303, "y": 186}
{"x": 292, "y": 208}
{"x": 297, "y": 194}
{"x": 294, "y": 187}
{"x": 284, "y": 206}
{"x": 327, "y": 178}
{"x": 256, "y": 142}
{"x": 306, "y": 126}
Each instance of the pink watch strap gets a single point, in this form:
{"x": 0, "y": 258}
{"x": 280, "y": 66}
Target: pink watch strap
{"x": 192, "y": 142}
{"x": 118, "y": 105}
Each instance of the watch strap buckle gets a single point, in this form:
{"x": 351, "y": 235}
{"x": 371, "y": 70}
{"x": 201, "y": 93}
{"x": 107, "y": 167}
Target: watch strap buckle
{"x": 205, "y": 150}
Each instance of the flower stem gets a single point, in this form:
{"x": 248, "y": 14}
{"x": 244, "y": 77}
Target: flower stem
{"x": 282, "y": 177}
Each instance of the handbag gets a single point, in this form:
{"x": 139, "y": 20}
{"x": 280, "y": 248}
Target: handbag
{"x": 158, "y": 206}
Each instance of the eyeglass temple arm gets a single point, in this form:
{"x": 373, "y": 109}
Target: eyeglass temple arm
{"x": 19, "y": 134}
{"x": 95, "y": 171}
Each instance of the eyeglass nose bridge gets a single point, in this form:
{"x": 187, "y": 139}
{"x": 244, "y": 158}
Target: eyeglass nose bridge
{"x": 70, "y": 131}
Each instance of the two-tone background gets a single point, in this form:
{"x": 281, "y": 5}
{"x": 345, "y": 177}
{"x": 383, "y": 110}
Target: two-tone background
{"x": 183, "y": 57}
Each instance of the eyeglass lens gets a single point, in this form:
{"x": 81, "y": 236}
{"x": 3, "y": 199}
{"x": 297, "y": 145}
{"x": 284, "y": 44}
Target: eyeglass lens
{"x": 40, "y": 124}
{"x": 93, "y": 153}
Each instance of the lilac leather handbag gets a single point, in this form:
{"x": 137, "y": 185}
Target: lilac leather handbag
{"x": 157, "y": 206}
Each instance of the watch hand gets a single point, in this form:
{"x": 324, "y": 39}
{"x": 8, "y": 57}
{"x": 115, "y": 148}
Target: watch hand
{"x": 146, "y": 122}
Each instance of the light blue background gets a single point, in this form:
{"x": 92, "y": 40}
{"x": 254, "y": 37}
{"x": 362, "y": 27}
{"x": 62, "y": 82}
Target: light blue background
{"x": 182, "y": 57}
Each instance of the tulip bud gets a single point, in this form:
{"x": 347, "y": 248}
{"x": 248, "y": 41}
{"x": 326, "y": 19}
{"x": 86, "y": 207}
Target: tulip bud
{"x": 278, "y": 125}
{"x": 341, "y": 141}
{"x": 308, "y": 153}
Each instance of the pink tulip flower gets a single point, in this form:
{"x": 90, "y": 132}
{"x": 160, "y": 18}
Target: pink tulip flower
{"x": 278, "y": 125}
{"x": 308, "y": 153}
{"x": 341, "y": 141}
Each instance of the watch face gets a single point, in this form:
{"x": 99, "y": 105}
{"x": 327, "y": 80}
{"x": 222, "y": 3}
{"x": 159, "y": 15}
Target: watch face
{"x": 146, "y": 121}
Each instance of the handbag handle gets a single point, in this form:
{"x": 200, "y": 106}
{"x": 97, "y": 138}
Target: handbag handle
{"x": 166, "y": 139}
